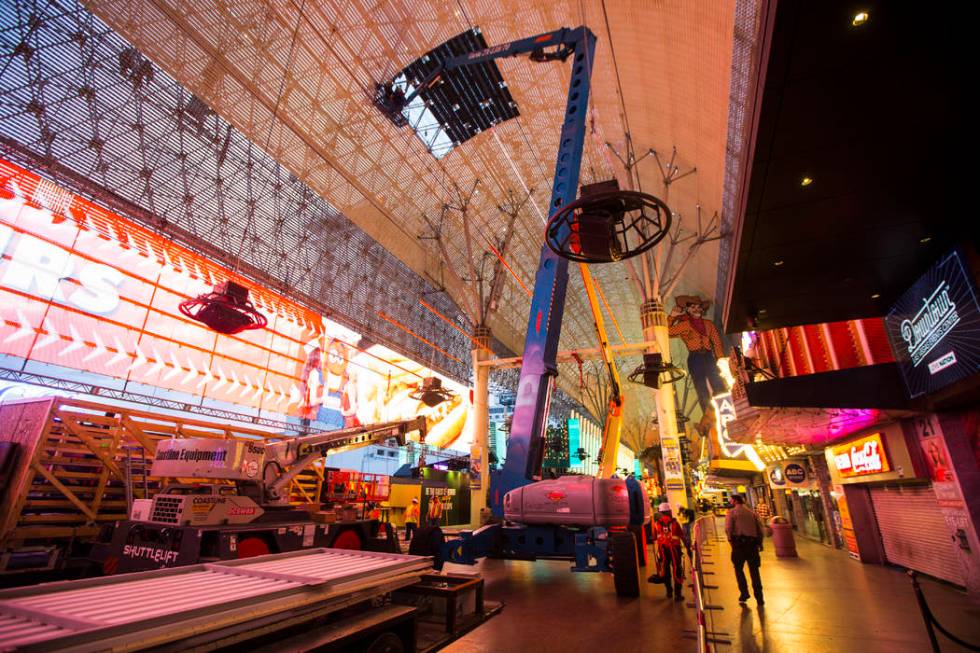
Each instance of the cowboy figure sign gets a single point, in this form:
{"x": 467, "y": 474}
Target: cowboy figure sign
{"x": 703, "y": 344}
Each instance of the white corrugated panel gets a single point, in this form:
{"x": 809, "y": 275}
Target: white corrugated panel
{"x": 30, "y": 615}
{"x": 913, "y": 531}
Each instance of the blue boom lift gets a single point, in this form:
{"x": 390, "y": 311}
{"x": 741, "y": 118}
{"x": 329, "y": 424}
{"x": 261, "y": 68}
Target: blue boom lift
{"x": 568, "y": 517}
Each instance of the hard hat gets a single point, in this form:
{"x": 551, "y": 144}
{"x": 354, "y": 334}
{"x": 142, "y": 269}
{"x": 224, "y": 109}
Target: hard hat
{"x": 664, "y": 507}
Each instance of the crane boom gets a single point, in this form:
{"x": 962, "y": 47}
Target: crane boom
{"x": 539, "y": 367}
{"x": 611, "y": 428}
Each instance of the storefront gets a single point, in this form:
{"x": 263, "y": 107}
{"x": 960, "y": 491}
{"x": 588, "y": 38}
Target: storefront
{"x": 799, "y": 497}
{"x": 889, "y": 508}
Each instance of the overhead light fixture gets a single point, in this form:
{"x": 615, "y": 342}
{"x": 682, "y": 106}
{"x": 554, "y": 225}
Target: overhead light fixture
{"x": 431, "y": 392}
{"x": 226, "y": 309}
{"x": 875, "y": 296}
{"x": 860, "y": 18}
{"x": 806, "y": 181}
{"x": 778, "y": 263}
{"x": 925, "y": 240}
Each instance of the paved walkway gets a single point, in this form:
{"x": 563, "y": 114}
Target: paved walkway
{"x": 823, "y": 601}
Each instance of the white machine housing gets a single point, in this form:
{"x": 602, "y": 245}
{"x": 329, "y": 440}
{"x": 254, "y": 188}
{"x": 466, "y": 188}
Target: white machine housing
{"x": 572, "y": 501}
{"x": 203, "y": 505}
{"x": 208, "y": 458}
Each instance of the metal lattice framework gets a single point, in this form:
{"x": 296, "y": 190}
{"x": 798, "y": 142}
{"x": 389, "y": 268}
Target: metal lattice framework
{"x": 297, "y": 78}
{"x": 81, "y": 106}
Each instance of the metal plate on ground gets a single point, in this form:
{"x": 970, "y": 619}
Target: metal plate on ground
{"x": 131, "y": 603}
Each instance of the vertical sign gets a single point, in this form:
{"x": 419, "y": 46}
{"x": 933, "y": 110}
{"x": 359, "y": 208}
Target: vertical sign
{"x": 846, "y": 524}
{"x": 574, "y": 441}
{"x": 949, "y": 496}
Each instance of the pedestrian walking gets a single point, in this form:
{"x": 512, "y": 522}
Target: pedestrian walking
{"x": 669, "y": 536}
{"x": 411, "y": 519}
{"x": 745, "y": 534}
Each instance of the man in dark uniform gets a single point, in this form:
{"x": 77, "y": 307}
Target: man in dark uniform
{"x": 744, "y": 531}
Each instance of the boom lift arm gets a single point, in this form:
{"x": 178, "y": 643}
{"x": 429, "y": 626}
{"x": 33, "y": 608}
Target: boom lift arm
{"x": 525, "y": 446}
{"x": 270, "y": 465}
{"x": 609, "y": 449}
{"x": 295, "y": 455}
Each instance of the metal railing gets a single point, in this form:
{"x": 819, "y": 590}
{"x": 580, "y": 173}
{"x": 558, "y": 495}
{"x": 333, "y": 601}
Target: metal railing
{"x": 703, "y": 536}
{"x": 932, "y": 624}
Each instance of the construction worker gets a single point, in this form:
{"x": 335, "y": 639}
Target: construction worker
{"x": 669, "y": 536}
{"x": 411, "y": 518}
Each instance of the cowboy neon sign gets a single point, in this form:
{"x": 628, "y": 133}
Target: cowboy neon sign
{"x": 861, "y": 457}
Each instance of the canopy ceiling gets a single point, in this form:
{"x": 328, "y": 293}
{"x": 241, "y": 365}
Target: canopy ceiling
{"x": 662, "y": 71}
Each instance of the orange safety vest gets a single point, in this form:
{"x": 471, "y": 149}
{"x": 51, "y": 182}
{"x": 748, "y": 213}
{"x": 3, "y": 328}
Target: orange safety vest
{"x": 412, "y": 513}
{"x": 668, "y": 533}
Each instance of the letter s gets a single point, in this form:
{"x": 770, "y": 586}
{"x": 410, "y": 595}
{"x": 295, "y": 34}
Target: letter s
{"x": 99, "y": 293}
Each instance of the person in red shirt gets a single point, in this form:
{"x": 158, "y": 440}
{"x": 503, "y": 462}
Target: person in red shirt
{"x": 669, "y": 536}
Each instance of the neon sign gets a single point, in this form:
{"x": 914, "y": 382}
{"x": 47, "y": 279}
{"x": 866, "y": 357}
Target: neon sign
{"x": 861, "y": 457}
{"x": 724, "y": 408}
{"x": 933, "y": 326}
{"x": 937, "y": 318}
{"x": 725, "y": 413}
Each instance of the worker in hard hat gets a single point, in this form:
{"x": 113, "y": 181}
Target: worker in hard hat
{"x": 669, "y": 536}
{"x": 411, "y": 518}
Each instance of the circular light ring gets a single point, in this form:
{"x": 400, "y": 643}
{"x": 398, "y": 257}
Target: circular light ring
{"x": 634, "y": 233}
{"x": 192, "y": 308}
{"x": 674, "y": 374}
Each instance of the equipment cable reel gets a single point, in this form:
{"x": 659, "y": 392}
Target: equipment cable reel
{"x": 654, "y": 372}
{"x": 606, "y": 224}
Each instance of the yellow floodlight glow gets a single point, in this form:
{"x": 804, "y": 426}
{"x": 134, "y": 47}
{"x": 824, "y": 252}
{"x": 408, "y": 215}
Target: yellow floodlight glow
{"x": 753, "y": 457}
{"x": 725, "y": 369}
{"x": 860, "y": 18}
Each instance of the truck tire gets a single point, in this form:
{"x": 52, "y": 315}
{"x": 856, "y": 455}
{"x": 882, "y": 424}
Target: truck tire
{"x": 626, "y": 567}
{"x": 252, "y": 546}
{"x": 348, "y": 538}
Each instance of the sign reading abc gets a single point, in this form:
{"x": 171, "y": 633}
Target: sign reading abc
{"x": 934, "y": 326}
{"x": 795, "y": 473}
{"x": 789, "y": 474}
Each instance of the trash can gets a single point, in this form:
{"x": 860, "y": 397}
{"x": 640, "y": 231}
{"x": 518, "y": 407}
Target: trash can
{"x": 782, "y": 537}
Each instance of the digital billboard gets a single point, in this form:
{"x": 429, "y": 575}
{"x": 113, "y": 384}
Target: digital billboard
{"x": 934, "y": 327}
{"x": 87, "y": 295}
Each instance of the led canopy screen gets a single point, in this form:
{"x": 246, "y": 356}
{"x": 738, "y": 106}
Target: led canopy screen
{"x": 89, "y": 296}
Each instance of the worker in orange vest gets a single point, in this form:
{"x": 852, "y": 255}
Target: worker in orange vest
{"x": 669, "y": 537}
{"x": 411, "y": 519}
